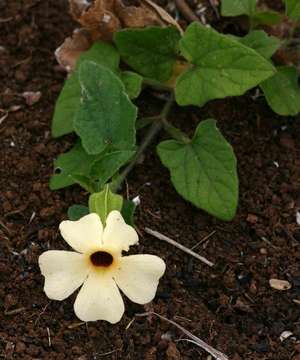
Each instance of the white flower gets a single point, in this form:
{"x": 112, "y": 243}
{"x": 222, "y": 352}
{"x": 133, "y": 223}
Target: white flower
{"x": 98, "y": 264}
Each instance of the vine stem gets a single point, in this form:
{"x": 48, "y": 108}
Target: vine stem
{"x": 152, "y": 132}
{"x": 158, "y": 122}
{"x": 154, "y": 129}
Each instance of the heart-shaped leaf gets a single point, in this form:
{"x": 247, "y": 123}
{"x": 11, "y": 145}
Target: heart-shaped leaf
{"x": 106, "y": 116}
{"x": 68, "y": 165}
{"x": 68, "y": 101}
{"x": 151, "y": 51}
{"x": 106, "y": 167}
{"x": 132, "y": 82}
{"x": 261, "y": 42}
{"x": 204, "y": 170}
{"x": 75, "y": 212}
{"x": 282, "y": 91}
{"x": 238, "y": 7}
{"x": 293, "y": 9}
{"x": 221, "y": 67}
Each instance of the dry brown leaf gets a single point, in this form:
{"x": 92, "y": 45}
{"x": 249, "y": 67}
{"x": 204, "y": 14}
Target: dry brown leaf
{"x": 68, "y": 53}
{"x": 77, "y": 7}
{"x": 100, "y": 19}
{"x": 133, "y": 16}
{"x": 165, "y": 16}
{"x": 103, "y": 17}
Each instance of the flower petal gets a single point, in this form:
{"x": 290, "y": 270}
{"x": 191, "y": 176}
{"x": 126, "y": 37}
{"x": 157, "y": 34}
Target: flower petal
{"x": 117, "y": 233}
{"x": 83, "y": 234}
{"x": 64, "y": 272}
{"x": 138, "y": 276}
{"x": 99, "y": 299}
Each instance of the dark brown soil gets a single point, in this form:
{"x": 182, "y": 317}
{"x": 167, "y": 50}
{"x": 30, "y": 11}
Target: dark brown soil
{"x": 231, "y": 306}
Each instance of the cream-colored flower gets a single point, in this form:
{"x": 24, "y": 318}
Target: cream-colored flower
{"x": 98, "y": 264}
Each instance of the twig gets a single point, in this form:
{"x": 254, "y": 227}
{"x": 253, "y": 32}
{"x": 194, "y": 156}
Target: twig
{"x": 41, "y": 313}
{"x": 15, "y": 311}
{"x": 218, "y": 355}
{"x": 214, "y": 7}
{"x": 73, "y": 326}
{"x": 106, "y": 353}
{"x": 49, "y": 337}
{"x": 186, "y": 11}
{"x": 160, "y": 236}
{"x": 4, "y": 20}
{"x": 268, "y": 242}
{"x": 130, "y": 323}
{"x": 204, "y": 239}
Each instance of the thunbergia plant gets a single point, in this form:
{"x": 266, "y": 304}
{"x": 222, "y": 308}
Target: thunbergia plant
{"x": 97, "y": 103}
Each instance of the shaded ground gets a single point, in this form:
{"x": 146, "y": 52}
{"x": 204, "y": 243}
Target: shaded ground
{"x": 232, "y": 306}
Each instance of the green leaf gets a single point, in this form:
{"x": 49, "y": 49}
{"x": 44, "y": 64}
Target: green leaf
{"x": 269, "y": 17}
{"x": 75, "y": 212}
{"x": 238, "y": 7}
{"x": 103, "y": 54}
{"x": 66, "y": 106}
{"x": 102, "y": 203}
{"x": 104, "y": 168}
{"x": 133, "y": 83}
{"x": 221, "y": 67}
{"x": 85, "y": 182}
{"x": 127, "y": 212}
{"x": 282, "y": 91}
{"x": 204, "y": 171}
{"x": 151, "y": 51}
{"x": 293, "y": 9}
{"x": 106, "y": 115}
{"x": 72, "y": 163}
{"x": 68, "y": 101}
{"x": 259, "y": 41}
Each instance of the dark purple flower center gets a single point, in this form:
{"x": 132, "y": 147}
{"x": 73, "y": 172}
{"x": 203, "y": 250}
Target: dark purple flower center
{"x": 101, "y": 258}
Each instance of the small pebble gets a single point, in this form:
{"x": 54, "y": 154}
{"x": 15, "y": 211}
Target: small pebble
{"x": 281, "y": 285}
{"x": 285, "y": 335}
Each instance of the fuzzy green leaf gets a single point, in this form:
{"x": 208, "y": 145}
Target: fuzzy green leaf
{"x": 68, "y": 101}
{"x": 127, "y": 212}
{"x": 204, "y": 171}
{"x": 132, "y": 82}
{"x": 68, "y": 165}
{"x": 293, "y": 9}
{"x": 238, "y": 7}
{"x": 282, "y": 91}
{"x": 75, "y": 212}
{"x": 106, "y": 115}
{"x": 261, "y": 42}
{"x": 106, "y": 167}
{"x": 268, "y": 17}
{"x": 102, "y": 203}
{"x": 151, "y": 51}
{"x": 221, "y": 67}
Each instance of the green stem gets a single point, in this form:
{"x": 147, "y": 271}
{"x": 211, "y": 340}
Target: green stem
{"x": 176, "y": 133}
{"x": 154, "y": 129}
{"x": 251, "y": 23}
{"x": 156, "y": 85}
{"x": 290, "y": 39}
{"x": 143, "y": 122}
{"x": 158, "y": 122}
